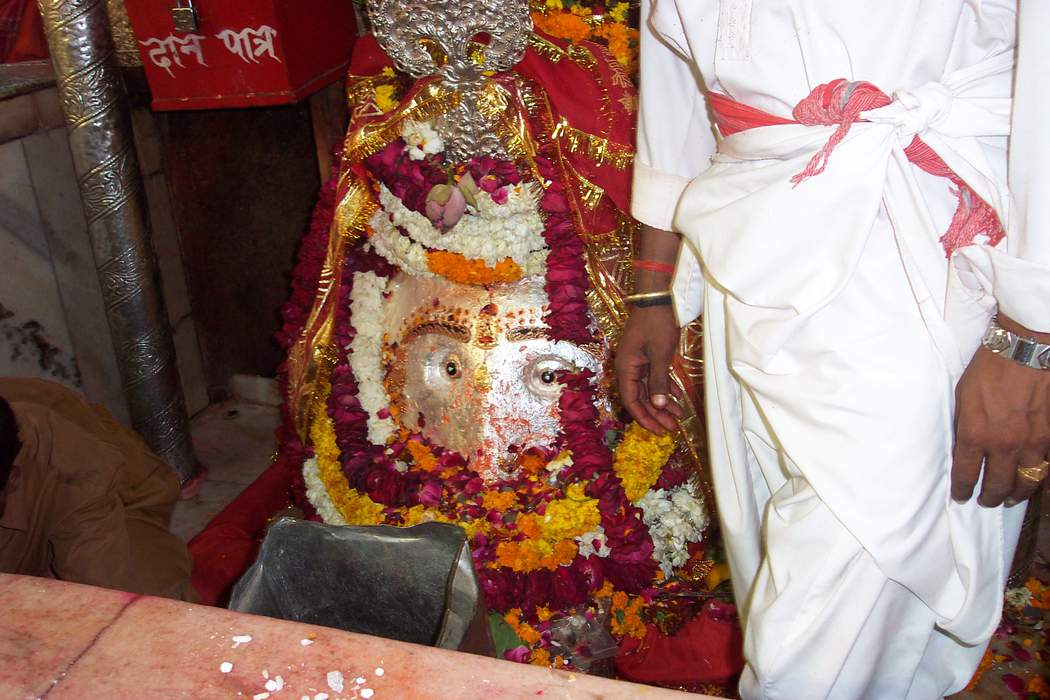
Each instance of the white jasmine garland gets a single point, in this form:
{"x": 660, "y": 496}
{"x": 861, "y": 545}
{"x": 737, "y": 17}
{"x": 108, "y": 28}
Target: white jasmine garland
{"x": 422, "y": 140}
{"x": 490, "y": 232}
{"x": 593, "y": 542}
{"x": 366, "y": 352}
{"x": 674, "y": 518}
{"x": 1018, "y": 597}
{"x": 398, "y": 250}
{"x": 318, "y": 496}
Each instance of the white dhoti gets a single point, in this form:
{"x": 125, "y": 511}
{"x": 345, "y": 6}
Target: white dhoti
{"x": 836, "y": 332}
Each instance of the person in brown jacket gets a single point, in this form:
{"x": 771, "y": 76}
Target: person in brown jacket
{"x": 83, "y": 498}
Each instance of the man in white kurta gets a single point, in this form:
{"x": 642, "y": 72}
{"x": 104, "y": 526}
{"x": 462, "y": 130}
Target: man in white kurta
{"x": 837, "y": 328}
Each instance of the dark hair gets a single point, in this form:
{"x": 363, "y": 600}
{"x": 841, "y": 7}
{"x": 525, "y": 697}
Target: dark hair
{"x": 10, "y": 445}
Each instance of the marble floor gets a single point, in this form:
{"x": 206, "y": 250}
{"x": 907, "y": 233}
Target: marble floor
{"x": 234, "y": 440}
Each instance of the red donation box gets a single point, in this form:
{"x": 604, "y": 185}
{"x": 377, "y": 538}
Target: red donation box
{"x": 202, "y": 54}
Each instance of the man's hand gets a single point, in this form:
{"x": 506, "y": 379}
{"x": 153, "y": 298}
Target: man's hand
{"x": 643, "y": 363}
{"x": 1002, "y": 419}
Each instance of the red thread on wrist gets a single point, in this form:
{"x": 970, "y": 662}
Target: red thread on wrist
{"x": 653, "y": 266}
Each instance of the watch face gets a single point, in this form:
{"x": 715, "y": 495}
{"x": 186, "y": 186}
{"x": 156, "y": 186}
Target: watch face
{"x": 997, "y": 340}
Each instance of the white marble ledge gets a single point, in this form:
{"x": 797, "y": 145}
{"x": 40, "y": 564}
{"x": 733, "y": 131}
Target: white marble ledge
{"x": 71, "y": 641}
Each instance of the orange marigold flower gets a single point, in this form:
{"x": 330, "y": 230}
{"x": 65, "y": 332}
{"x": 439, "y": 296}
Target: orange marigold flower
{"x": 1040, "y": 594}
{"x": 499, "y": 500}
{"x": 639, "y": 459}
{"x": 527, "y": 633}
{"x": 528, "y": 525}
{"x": 564, "y": 552}
{"x": 457, "y": 268}
{"x": 563, "y": 25}
{"x": 626, "y": 618}
{"x": 544, "y": 613}
{"x": 1038, "y": 686}
{"x": 540, "y": 657}
{"x": 532, "y": 463}
{"x": 422, "y": 455}
{"x": 522, "y": 556}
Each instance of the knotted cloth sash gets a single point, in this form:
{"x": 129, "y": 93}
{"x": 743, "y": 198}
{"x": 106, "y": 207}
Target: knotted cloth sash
{"x": 840, "y": 103}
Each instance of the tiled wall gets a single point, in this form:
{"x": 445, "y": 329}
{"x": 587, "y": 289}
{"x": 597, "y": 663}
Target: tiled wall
{"x": 52, "y": 319}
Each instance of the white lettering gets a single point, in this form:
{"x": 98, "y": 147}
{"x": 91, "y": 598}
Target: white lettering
{"x": 164, "y": 53}
{"x": 250, "y": 44}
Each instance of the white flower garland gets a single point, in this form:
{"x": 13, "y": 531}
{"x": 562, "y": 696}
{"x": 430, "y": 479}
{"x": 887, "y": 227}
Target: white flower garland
{"x": 318, "y": 496}
{"x": 398, "y": 250}
{"x": 587, "y": 543}
{"x": 422, "y": 140}
{"x": 675, "y": 518}
{"x": 1018, "y": 597}
{"x": 491, "y": 232}
{"x": 366, "y": 352}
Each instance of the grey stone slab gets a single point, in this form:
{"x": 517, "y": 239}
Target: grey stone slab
{"x": 54, "y": 183}
{"x": 17, "y": 117}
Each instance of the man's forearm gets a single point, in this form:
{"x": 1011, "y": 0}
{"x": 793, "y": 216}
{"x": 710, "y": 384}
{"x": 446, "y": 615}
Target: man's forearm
{"x": 659, "y": 246}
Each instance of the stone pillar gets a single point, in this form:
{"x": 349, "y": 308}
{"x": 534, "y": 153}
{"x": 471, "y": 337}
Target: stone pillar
{"x": 100, "y": 139}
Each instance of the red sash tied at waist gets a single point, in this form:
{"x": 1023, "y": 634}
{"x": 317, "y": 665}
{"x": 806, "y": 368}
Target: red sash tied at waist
{"x": 840, "y": 103}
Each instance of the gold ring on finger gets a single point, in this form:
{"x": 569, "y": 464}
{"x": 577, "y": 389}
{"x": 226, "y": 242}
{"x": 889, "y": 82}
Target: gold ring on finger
{"x": 1036, "y": 473}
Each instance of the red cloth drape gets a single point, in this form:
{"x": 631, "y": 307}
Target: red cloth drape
{"x": 21, "y": 32}
{"x": 225, "y": 549}
{"x": 705, "y": 650}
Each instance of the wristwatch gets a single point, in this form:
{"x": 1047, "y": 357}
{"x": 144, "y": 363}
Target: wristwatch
{"x": 1024, "y": 351}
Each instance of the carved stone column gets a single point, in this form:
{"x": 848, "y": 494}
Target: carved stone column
{"x": 106, "y": 165}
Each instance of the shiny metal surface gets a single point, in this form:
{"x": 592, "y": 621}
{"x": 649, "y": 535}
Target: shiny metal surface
{"x": 474, "y": 370}
{"x": 442, "y": 38}
{"x": 106, "y": 165}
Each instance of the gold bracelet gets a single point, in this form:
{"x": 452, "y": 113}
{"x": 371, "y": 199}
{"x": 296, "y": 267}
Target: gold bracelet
{"x": 630, "y": 298}
{"x": 648, "y": 299}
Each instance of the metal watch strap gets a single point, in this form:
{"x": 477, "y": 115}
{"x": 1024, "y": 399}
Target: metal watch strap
{"x": 1023, "y": 351}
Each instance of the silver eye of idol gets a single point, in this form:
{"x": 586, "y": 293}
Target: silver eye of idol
{"x": 540, "y": 374}
{"x": 475, "y": 370}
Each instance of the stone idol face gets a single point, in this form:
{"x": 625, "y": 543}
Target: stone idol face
{"x": 474, "y": 369}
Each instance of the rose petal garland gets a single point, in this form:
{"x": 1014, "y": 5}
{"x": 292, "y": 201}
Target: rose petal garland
{"x": 562, "y": 532}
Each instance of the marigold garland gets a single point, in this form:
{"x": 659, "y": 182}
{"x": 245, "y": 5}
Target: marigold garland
{"x": 1040, "y": 594}
{"x": 640, "y": 458}
{"x": 457, "y": 268}
{"x": 576, "y": 23}
{"x": 626, "y": 615}
{"x": 386, "y": 98}
{"x": 570, "y": 517}
{"x": 356, "y": 508}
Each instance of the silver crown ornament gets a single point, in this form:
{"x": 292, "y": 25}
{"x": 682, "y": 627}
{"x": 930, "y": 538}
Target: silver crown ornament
{"x": 458, "y": 41}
